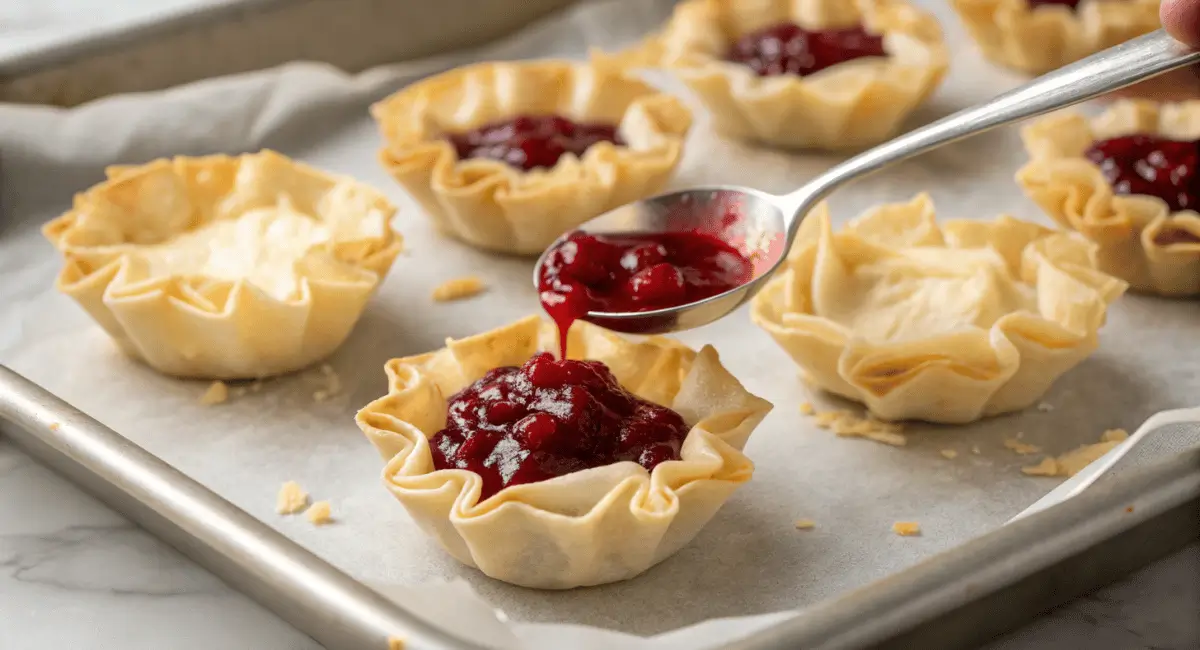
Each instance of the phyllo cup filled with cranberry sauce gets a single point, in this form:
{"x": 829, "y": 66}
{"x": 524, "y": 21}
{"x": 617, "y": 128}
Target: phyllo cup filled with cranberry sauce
{"x": 507, "y": 156}
{"x": 1129, "y": 181}
{"x": 555, "y": 474}
{"x": 818, "y": 74}
{"x": 1037, "y": 36}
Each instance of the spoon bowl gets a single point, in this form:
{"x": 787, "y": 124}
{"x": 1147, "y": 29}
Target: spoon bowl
{"x": 763, "y": 226}
{"x": 752, "y": 221}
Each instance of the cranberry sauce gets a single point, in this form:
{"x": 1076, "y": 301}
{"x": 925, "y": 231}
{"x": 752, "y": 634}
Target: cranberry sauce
{"x": 1073, "y": 4}
{"x": 1142, "y": 164}
{"x": 790, "y": 49}
{"x": 636, "y": 273}
{"x": 528, "y": 142}
{"x": 549, "y": 418}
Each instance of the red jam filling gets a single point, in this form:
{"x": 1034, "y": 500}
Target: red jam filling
{"x": 1073, "y": 4}
{"x": 548, "y": 418}
{"x": 790, "y": 49}
{"x": 636, "y": 273}
{"x": 1142, "y": 164}
{"x": 528, "y": 142}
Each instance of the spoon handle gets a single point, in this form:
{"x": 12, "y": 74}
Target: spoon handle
{"x": 1112, "y": 69}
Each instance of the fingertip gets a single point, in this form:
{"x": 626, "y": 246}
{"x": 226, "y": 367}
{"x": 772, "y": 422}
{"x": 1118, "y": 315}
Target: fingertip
{"x": 1181, "y": 19}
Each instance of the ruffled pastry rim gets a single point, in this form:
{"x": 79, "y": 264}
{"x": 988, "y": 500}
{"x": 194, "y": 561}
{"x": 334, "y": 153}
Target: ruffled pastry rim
{"x": 675, "y": 499}
{"x": 847, "y": 106}
{"x": 1039, "y": 39}
{"x": 164, "y": 320}
{"x": 496, "y": 207}
{"x": 955, "y": 377}
{"x": 1126, "y": 229}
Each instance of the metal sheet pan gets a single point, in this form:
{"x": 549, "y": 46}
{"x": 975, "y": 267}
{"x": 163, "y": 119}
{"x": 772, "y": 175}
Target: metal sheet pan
{"x": 234, "y": 36}
{"x": 952, "y": 600}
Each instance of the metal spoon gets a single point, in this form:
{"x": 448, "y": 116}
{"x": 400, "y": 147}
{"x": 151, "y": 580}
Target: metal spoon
{"x": 764, "y": 217}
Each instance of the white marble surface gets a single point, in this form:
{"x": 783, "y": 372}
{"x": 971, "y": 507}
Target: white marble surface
{"x": 74, "y": 574}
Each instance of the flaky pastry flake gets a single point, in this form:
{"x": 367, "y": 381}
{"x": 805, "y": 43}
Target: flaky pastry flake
{"x": 217, "y": 393}
{"x": 225, "y": 267}
{"x": 319, "y": 513}
{"x": 590, "y": 527}
{"x": 459, "y": 288}
{"x": 1074, "y": 461}
{"x": 851, "y": 105}
{"x": 1138, "y": 237}
{"x": 494, "y": 206}
{"x": 945, "y": 323}
{"x": 291, "y": 499}
{"x": 1040, "y": 39}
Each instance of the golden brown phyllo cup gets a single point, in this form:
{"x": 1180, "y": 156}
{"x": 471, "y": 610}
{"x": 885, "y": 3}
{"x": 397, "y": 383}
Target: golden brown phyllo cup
{"x": 1040, "y": 39}
{"x": 848, "y": 106}
{"x": 1138, "y": 238}
{"x": 591, "y": 527}
{"x": 942, "y": 324}
{"x": 215, "y": 325}
{"x": 494, "y": 206}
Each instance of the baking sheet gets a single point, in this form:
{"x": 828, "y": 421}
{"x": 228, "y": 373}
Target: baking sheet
{"x": 750, "y": 560}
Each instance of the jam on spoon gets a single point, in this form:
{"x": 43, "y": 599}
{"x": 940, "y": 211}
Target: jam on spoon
{"x": 1143, "y": 164}
{"x": 787, "y": 48}
{"x": 528, "y": 142}
{"x": 548, "y": 418}
{"x": 635, "y": 273}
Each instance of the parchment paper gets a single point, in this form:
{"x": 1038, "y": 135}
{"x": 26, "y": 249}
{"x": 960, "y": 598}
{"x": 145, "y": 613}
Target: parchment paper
{"x": 750, "y": 560}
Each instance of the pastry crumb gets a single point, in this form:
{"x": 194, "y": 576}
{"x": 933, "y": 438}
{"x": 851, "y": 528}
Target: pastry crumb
{"x": 319, "y": 513}
{"x": 292, "y": 499}
{"x": 949, "y": 454}
{"x": 1048, "y": 467}
{"x": 458, "y": 289}
{"x": 805, "y": 524}
{"x": 806, "y": 408}
{"x": 395, "y": 644}
{"x": 849, "y": 425}
{"x": 1045, "y": 407}
{"x": 1115, "y": 435}
{"x": 887, "y": 438}
{"x": 217, "y": 393}
{"x": 54, "y": 426}
{"x": 333, "y": 384}
{"x": 826, "y": 419}
{"x": 1021, "y": 448}
{"x": 1073, "y": 462}
{"x": 906, "y": 528}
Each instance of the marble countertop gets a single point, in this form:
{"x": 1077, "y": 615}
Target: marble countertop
{"x": 75, "y": 574}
